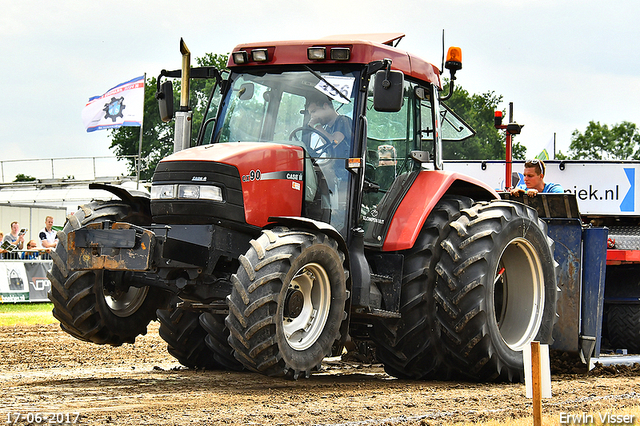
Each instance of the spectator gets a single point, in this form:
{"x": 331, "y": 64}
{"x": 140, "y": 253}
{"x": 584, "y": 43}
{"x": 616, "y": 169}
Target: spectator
{"x": 48, "y": 237}
{"x": 15, "y": 237}
{"x": 533, "y": 184}
{"x": 32, "y": 253}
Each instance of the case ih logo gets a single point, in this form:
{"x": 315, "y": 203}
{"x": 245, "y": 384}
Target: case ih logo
{"x": 199, "y": 179}
{"x": 114, "y": 108}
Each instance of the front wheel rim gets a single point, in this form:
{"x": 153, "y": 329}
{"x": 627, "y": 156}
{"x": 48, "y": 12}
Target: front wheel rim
{"x": 518, "y": 294}
{"x": 307, "y": 306}
{"x": 126, "y": 303}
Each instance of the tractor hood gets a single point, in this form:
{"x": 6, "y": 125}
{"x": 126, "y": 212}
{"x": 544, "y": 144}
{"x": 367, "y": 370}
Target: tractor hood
{"x": 263, "y": 179}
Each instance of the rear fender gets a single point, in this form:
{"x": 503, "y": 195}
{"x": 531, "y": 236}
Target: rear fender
{"x": 425, "y": 192}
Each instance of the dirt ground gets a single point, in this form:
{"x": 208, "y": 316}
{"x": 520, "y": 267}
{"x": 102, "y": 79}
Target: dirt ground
{"x": 44, "y": 370}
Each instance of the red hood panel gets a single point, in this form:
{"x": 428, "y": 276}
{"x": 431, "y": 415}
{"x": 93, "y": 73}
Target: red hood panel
{"x": 271, "y": 174}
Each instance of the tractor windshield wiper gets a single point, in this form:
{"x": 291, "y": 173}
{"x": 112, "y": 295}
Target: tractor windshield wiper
{"x": 320, "y": 77}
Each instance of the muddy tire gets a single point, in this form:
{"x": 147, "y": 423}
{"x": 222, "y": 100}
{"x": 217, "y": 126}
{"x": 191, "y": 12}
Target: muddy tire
{"x": 288, "y": 302}
{"x": 496, "y": 289}
{"x": 217, "y": 340}
{"x": 623, "y": 325}
{"x": 93, "y": 305}
{"x": 185, "y": 337}
{"x": 409, "y": 347}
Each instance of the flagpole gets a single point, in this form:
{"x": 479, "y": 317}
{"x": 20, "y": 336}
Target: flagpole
{"x": 141, "y": 128}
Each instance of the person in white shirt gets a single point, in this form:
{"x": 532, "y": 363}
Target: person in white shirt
{"x": 48, "y": 237}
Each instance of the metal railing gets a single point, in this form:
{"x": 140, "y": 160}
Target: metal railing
{"x": 40, "y": 254}
{"x": 41, "y": 165}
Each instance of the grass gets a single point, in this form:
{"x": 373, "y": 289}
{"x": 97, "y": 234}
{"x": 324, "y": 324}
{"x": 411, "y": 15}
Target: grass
{"x": 26, "y": 314}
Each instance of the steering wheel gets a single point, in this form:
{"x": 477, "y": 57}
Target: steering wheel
{"x": 325, "y": 149}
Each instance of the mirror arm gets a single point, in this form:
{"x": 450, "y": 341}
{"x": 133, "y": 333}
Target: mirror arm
{"x": 372, "y": 68}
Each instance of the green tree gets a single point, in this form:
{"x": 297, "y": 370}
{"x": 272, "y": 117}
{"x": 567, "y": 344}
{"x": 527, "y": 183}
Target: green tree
{"x": 21, "y": 177}
{"x": 599, "y": 142}
{"x": 477, "y": 110}
{"x": 157, "y": 136}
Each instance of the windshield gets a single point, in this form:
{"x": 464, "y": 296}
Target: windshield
{"x": 308, "y": 108}
{"x": 271, "y": 107}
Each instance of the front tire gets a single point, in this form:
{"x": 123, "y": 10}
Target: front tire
{"x": 496, "y": 289}
{"x": 288, "y": 302}
{"x": 94, "y": 305}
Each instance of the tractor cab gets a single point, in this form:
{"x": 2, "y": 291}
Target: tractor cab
{"x": 367, "y": 128}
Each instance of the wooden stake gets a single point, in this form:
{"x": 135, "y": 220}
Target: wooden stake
{"x": 536, "y": 383}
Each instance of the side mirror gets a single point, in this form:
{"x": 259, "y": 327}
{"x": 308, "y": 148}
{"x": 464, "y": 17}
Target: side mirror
{"x": 387, "y": 91}
{"x": 246, "y": 91}
{"x": 165, "y": 101}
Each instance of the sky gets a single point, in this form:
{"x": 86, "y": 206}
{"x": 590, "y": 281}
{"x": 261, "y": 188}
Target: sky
{"x": 561, "y": 63}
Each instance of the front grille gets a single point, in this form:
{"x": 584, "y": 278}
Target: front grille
{"x": 199, "y": 211}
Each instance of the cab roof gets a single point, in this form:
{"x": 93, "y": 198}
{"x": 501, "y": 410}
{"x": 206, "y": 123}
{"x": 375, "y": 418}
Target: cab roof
{"x": 364, "y": 48}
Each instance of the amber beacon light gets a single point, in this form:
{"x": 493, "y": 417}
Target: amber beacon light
{"x": 454, "y": 59}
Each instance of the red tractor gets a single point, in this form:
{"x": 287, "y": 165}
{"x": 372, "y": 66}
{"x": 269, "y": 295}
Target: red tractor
{"x": 314, "y": 210}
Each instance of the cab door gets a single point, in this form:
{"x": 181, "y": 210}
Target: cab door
{"x": 389, "y": 168}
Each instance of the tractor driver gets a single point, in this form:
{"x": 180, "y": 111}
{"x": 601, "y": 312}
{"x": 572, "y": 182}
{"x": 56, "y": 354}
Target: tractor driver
{"x": 336, "y": 128}
{"x": 534, "y": 181}
{"x": 325, "y": 119}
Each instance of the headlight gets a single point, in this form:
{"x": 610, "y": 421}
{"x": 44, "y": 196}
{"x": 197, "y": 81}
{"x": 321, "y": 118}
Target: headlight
{"x": 163, "y": 192}
{"x": 186, "y": 192}
{"x": 189, "y": 191}
{"x": 211, "y": 193}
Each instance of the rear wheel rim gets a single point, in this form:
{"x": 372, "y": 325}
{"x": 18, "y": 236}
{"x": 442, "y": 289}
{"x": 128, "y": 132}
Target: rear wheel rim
{"x": 307, "y": 306}
{"x": 518, "y": 294}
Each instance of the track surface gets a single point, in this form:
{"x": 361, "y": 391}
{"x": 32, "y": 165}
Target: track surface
{"x": 44, "y": 370}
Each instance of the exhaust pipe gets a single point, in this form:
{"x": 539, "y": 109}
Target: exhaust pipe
{"x": 184, "y": 115}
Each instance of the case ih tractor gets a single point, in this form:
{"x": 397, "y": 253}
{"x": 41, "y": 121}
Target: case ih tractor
{"x": 281, "y": 235}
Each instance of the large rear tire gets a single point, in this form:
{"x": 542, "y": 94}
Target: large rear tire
{"x": 496, "y": 289}
{"x": 409, "y": 347}
{"x": 94, "y": 305}
{"x": 288, "y": 302}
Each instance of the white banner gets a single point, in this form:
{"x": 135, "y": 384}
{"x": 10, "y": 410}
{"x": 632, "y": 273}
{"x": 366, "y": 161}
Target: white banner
{"x": 601, "y": 187}
{"x": 24, "y": 281}
{"x": 122, "y": 105}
